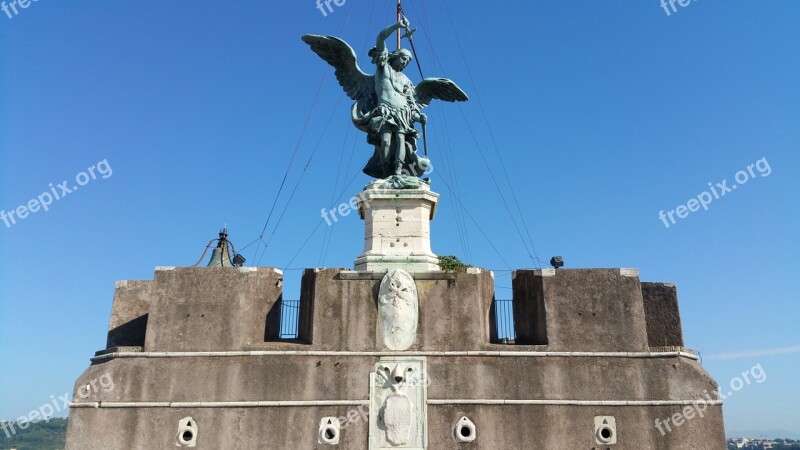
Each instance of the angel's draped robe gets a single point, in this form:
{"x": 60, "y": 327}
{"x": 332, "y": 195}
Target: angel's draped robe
{"x": 390, "y": 110}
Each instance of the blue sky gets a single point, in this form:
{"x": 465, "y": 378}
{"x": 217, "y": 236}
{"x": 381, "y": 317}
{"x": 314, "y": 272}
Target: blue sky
{"x": 605, "y": 113}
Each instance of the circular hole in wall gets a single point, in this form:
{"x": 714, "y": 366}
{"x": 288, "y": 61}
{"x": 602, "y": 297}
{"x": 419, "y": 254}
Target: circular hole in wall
{"x": 187, "y": 436}
{"x": 466, "y": 432}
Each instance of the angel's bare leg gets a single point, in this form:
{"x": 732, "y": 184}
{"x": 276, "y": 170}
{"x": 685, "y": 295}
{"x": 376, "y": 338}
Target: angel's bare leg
{"x": 386, "y": 147}
{"x": 400, "y": 153}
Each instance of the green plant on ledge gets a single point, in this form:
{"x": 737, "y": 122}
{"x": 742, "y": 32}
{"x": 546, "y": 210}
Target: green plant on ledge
{"x": 451, "y": 264}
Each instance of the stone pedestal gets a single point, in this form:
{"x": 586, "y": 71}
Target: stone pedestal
{"x": 397, "y": 229}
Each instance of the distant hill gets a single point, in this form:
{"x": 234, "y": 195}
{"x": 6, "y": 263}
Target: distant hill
{"x": 51, "y": 435}
{"x": 768, "y": 434}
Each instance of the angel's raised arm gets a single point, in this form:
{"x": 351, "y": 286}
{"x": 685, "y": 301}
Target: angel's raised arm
{"x": 380, "y": 44}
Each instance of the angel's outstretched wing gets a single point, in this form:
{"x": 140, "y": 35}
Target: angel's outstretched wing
{"x": 440, "y": 89}
{"x": 341, "y": 56}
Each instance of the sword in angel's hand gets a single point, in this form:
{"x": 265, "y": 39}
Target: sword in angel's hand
{"x": 410, "y": 36}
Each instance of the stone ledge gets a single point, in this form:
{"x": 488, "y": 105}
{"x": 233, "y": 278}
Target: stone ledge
{"x": 315, "y": 353}
{"x": 672, "y": 348}
{"x": 378, "y": 275}
{"x": 301, "y": 403}
{"x": 116, "y": 350}
{"x": 131, "y": 283}
{"x": 575, "y": 402}
{"x": 239, "y": 404}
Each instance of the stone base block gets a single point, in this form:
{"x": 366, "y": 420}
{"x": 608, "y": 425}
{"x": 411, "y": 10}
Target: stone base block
{"x": 411, "y": 263}
{"x": 397, "y": 229}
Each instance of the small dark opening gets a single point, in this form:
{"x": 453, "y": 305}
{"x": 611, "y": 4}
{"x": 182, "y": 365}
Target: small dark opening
{"x": 187, "y": 436}
{"x": 398, "y": 379}
{"x": 130, "y": 334}
{"x": 329, "y": 434}
{"x": 283, "y": 321}
{"x": 466, "y": 432}
{"x": 605, "y": 433}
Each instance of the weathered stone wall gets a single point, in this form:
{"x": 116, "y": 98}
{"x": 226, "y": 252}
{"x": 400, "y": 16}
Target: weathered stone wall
{"x": 345, "y": 378}
{"x": 129, "y": 314}
{"x": 271, "y": 377}
{"x": 212, "y": 308}
{"x": 518, "y": 427}
{"x": 580, "y": 309}
{"x": 498, "y": 428}
{"x": 339, "y": 310}
{"x": 245, "y": 391}
{"x": 218, "y": 428}
{"x": 663, "y": 316}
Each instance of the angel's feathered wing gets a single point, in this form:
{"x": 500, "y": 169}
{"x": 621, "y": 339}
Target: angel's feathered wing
{"x": 336, "y": 52}
{"x": 440, "y": 89}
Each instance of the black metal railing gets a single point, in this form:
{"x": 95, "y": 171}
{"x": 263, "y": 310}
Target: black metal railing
{"x": 290, "y": 317}
{"x": 503, "y": 315}
{"x": 504, "y": 321}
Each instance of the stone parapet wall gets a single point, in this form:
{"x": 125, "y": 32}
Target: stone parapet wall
{"x": 663, "y": 315}
{"x": 207, "y": 353}
{"x": 338, "y": 310}
{"x": 580, "y": 309}
{"x": 212, "y": 309}
{"x": 129, "y": 313}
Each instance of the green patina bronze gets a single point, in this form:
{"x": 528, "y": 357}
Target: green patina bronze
{"x": 387, "y": 104}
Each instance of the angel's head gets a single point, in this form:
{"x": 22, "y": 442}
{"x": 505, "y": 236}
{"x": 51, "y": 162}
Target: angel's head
{"x": 400, "y": 59}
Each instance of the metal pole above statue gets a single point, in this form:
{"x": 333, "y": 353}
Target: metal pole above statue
{"x": 399, "y": 18}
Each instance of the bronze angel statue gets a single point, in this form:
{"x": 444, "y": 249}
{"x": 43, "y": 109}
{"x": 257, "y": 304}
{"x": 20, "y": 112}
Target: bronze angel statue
{"x": 387, "y": 104}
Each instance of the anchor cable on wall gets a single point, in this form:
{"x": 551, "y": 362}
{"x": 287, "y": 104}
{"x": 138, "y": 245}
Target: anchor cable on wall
{"x": 327, "y": 238}
{"x": 260, "y": 239}
{"x": 528, "y": 245}
{"x": 494, "y": 141}
{"x": 302, "y": 174}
